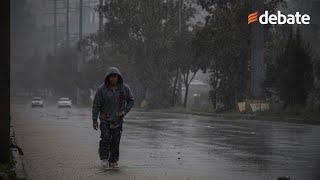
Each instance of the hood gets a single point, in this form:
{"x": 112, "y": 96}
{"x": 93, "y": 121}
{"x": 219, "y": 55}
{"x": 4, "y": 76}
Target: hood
{"x": 113, "y": 70}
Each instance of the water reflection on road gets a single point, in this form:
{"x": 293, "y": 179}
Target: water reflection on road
{"x": 60, "y": 143}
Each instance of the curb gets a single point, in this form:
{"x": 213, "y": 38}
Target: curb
{"x": 19, "y": 166}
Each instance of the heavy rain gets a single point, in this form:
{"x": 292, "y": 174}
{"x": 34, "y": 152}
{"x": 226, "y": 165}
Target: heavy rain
{"x": 161, "y": 89}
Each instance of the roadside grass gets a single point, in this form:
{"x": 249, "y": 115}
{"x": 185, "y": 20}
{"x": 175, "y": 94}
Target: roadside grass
{"x": 306, "y": 113}
{"x": 189, "y": 109}
{"x": 297, "y": 112}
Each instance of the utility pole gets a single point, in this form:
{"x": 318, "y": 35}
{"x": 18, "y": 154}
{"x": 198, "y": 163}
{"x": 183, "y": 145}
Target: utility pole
{"x": 100, "y": 16}
{"x": 67, "y": 24}
{"x": 55, "y": 27}
{"x": 100, "y": 29}
{"x": 180, "y": 16}
{"x": 80, "y": 19}
{"x": 55, "y": 23}
{"x": 257, "y": 48}
{"x": 93, "y": 17}
{"x": 80, "y": 60}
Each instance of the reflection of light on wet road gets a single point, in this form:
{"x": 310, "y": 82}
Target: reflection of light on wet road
{"x": 60, "y": 143}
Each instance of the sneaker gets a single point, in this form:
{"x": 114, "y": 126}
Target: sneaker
{"x": 114, "y": 165}
{"x": 104, "y": 163}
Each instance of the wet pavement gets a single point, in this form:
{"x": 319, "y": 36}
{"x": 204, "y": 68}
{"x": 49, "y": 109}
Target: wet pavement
{"x": 61, "y": 144}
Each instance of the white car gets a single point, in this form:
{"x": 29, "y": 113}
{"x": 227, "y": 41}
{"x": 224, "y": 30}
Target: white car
{"x": 37, "y": 102}
{"x": 64, "y": 102}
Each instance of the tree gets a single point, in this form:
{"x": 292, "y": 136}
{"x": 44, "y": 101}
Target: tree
{"x": 314, "y": 95}
{"x": 25, "y": 36}
{"x": 61, "y": 72}
{"x": 224, "y": 43}
{"x": 277, "y": 40}
{"x": 184, "y": 53}
{"x": 138, "y": 37}
{"x": 295, "y": 71}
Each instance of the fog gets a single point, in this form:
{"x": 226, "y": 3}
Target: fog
{"x": 163, "y": 52}
{"x": 215, "y": 93}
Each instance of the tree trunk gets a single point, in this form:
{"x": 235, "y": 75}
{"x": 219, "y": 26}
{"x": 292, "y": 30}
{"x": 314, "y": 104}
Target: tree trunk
{"x": 187, "y": 84}
{"x": 186, "y": 95}
{"x": 174, "y": 90}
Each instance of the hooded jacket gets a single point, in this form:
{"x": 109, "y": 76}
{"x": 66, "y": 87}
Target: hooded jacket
{"x": 108, "y": 104}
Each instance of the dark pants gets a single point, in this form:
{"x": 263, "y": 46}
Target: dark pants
{"x": 109, "y": 143}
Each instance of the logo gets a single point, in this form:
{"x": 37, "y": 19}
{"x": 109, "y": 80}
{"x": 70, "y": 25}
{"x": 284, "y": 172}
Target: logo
{"x": 253, "y": 17}
{"x": 279, "y": 18}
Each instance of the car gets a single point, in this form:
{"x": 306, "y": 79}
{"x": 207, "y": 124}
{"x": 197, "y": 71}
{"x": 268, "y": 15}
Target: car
{"x": 37, "y": 102}
{"x": 64, "y": 102}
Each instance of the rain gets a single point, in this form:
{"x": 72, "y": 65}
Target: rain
{"x": 163, "y": 89}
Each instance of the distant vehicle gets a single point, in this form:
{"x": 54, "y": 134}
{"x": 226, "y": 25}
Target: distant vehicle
{"x": 37, "y": 102}
{"x": 64, "y": 102}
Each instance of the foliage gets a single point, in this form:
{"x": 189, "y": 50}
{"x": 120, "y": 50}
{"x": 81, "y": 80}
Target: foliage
{"x": 277, "y": 37}
{"x": 8, "y": 170}
{"x": 293, "y": 74}
{"x": 225, "y": 43}
{"x": 314, "y": 99}
{"x": 138, "y": 38}
{"x": 24, "y": 36}
{"x": 62, "y": 77}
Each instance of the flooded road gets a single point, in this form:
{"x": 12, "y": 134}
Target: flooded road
{"x": 61, "y": 144}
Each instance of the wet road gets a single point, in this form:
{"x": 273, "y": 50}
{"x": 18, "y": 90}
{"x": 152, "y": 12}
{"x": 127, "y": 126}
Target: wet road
{"x": 61, "y": 144}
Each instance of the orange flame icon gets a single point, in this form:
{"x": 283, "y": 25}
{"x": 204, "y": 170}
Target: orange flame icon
{"x": 253, "y": 17}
